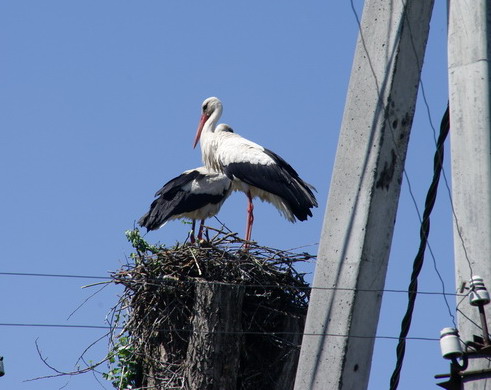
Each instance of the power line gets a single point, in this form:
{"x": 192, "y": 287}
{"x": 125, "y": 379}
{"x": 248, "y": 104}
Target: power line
{"x": 161, "y": 281}
{"x": 423, "y": 92}
{"x": 107, "y": 327}
{"x": 447, "y": 185}
{"x": 419, "y": 259}
{"x": 38, "y": 325}
{"x": 54, "y": 275}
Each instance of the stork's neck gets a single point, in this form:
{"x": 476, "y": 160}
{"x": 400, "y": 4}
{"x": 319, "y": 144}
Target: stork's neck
{"x": 211, "y": 123}
{"x": 208, "y": 141}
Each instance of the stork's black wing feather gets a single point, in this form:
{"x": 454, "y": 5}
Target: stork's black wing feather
{"x": 279, "y": 179}
{"x": 169, "y": 202}
{"x": 176, "y": 198}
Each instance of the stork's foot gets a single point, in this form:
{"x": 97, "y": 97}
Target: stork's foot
{"x": 199, "y": 241}
{"x": 192, "y": 240}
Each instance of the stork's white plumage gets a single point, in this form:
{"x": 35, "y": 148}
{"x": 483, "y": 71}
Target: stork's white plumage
{"x": 255, "y": 170}
{"x": 195, "y": 194}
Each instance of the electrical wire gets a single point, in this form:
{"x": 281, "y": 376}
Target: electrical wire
{"x": 447, "y": 185}
{"x": 419, "y": 259}
{"x": 68, "y": 326}
{"x": 54, "y": 275}
{"x": 107, "y": 327}
{"x": 161, "y": 281}
{"x": 452, "y": 207}
{"x": 425, "y": 100}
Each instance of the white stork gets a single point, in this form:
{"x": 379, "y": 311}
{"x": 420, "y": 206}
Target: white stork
{"x": 255, "y": 170}
{"x": 195, "y": 194}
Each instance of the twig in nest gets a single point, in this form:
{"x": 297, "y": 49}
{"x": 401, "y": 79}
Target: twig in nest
{"x": 62, "y": 373}
{"x": 195, "y": 261}
{"x": 89, "y": 297}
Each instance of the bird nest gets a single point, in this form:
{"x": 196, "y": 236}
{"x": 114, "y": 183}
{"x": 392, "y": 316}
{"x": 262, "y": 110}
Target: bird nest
{"x": 193, "y": 308}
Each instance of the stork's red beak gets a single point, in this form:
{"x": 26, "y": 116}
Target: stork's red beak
{"x": 201, "y": 124}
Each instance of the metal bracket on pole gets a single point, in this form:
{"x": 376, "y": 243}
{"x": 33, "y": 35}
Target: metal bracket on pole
{"x": 478, "y": 348}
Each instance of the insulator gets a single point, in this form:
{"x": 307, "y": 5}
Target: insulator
{"x": 478, "y": 296}
{"x": 450, "y": 343}
{"x": 2, "y": 371}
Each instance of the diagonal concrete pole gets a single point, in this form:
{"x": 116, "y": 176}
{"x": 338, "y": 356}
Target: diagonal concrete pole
{"x": 363, "y": 198}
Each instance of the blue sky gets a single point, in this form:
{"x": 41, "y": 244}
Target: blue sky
{"x": 100, "y": 103}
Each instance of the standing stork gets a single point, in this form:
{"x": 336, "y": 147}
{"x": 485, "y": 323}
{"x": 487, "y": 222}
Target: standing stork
{"x": 195, "y": 194}
{"x": 255, "y": 170}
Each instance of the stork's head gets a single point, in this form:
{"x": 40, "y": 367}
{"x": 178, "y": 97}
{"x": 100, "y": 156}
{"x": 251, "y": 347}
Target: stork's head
{"x": 211, "y": 108}
{"x": 223, "y": 127}
{"x": 210, "y": 105}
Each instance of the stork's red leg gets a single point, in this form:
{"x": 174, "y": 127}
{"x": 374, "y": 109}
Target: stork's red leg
{"x": 200, "y": 231}
{"x": 250, "y": 216}
{"x": 191, "y": 236}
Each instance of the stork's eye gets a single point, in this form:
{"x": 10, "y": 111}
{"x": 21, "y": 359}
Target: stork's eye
{"x": 205, "y": 107}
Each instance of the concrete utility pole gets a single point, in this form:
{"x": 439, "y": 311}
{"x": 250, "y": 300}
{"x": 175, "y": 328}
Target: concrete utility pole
{"x": 363, "y": 198}
{"x": 469, "y": 34}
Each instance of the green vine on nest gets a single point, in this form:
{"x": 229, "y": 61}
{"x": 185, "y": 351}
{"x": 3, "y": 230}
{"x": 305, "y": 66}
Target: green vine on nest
{"x": 123, "y": 366}
{"x": 140, "y": 245}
